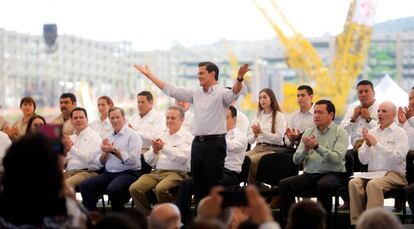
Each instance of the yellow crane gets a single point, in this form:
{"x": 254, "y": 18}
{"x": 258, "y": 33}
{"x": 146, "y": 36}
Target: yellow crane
{"x": 333, "y": 82}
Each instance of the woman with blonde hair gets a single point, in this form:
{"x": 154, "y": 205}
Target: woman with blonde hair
{"x": 267, "y": 130}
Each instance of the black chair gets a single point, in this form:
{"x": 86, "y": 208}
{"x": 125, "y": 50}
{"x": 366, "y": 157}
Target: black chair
{"x": 343, "y": 190}
{"x": 275, "y": 167}
{"x": 399, "y": 193}
{"x": 245, "y": 170}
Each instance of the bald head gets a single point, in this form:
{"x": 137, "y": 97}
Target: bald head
{"x": 386, "y": 114}
{"x": 165, "y": 216}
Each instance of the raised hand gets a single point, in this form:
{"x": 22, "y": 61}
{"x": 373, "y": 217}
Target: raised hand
{"x": 242, "y": 71}
{"x": 401, "y": 115}
{"x": 357, "y": 113}
{"x": 409, "y": 112}
{"x": 365, "y": 113}
{"x": 143, "y": 69}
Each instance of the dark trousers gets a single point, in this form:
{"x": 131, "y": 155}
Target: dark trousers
{"x": 324, "y": 185}
{"x": 358, "y": 166}
{"x": 409, "y": 195}
{"x": 186, "y": 190}
{"x": 207, "y": 164}
{"x": 115, "y": 185}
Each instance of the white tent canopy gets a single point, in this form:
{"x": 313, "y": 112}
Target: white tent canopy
{"x": 388, "y": 90}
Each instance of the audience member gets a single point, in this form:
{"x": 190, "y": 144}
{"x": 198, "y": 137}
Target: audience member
{"x": 378, "y": 218}
{"x": 267, "y": 130}
{"x": 306, "y": 214}
{"x": 322, "y": 153}
{"x": 170, "y": 155}
{"x": 148, "y": 122}
{"x": 384, "y": 149}
{"x": 31, "y": 162}
{"x": 164, "y": 216}
{"x": 34, "y": 122}
{"x": 120, "y": 155}
{"x": 67, "y": 102}
{"x": 102, "y": 125}
{"x": 81, "y": 149}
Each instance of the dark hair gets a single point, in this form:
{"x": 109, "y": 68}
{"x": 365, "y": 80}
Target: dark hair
{"x": 116, "y": 108}
{"x": 210, "y": 66}
{"x": 31, "y": 119}
{"x": 68, "y": 95}
{"x": 308, "y": 89}
{"x": 28, "y": 99}
{"x": 79, "y": 109}
{"x": 330, "y": 107}
{"x": 365, "y": 82}
{"x": 233, "y": 111}
{"x": 306, "y": 214}
{"x": 273, "y": 104}
{"x": 147, "y": 94}
{"x": 108, "y": 100}
{"x": 118, "y": 220}
{"x": 31, "y": 162}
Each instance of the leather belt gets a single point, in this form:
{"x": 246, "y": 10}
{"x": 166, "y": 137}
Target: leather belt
{"x": 206, "y": 137}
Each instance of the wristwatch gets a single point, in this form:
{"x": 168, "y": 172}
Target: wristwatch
{"x": 113, "y": 151}
{"x": 316, "y": 146}
{"x": 240, "y": 80}
{"x": 368, "y": 120}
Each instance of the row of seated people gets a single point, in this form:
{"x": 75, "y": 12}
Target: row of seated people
{"x": 269, "y": 126}
{"x": 52, "y": 204}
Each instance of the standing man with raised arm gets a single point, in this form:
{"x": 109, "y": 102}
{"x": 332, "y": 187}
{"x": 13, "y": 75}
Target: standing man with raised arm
{"x": 209, "y": 127}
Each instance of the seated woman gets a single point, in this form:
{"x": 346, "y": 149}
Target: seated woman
{"x": 34, "y": 192}
{"x": 34, "y": 122}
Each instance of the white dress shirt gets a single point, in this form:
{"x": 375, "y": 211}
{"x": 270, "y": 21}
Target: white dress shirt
{"x": 408, "y": 126}
{"x": 354, "y": 129}
{"x": 236, "y": 150}
{"x": 149, "y": 126}
{"x": 299, "y": 120}
{"x": 85, "y": 149}
{"x": 5, "y": 143}
{"x": 103, "y": 128}
{"x": 242, "y": 122}
{"x": 129, "y": 143}
{"x": 210, "y": 108}
{"x": 175, "y": 154}
{"x": 188, "y": 120}
{"x": 389, "y": 154}
{"x": 265, "y": 122}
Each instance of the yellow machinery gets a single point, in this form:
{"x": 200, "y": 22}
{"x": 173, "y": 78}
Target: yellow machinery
{"x": 351, "y": 49}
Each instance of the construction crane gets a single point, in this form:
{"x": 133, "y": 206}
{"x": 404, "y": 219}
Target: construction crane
{"x": 333, "y": 82}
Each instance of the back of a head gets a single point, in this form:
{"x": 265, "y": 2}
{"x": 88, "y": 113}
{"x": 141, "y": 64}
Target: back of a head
{"x": 31, "y": 163}
{"x": 118, "y": 221}
{"x": 208, "y": 224}
{"x": 306, "y": 214}
{"x": 164, "y": 216}
{"x": 378, "y": 218}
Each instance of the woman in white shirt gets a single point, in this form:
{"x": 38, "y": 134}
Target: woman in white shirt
{"x": 102, "y": 125}
{"x": 267, "y": 130}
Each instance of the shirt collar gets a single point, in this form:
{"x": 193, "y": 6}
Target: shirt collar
{"x": 211, "y": 89}
{"x": 122, "y": 131}
{"x": 327, "y": 129}
{"x": 83, "y": 131}
{"x": 179, "y": 133}
{"x": 390, "y": 127}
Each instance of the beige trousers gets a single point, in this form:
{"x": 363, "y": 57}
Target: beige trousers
{"x": 366, "y": 194}
{"x": 75, "y": 177}
{"x": 159, "y": 180}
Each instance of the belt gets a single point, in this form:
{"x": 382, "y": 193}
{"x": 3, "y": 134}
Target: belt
{"x": 268, "y": 144}
{"x": 206, "y": 137}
